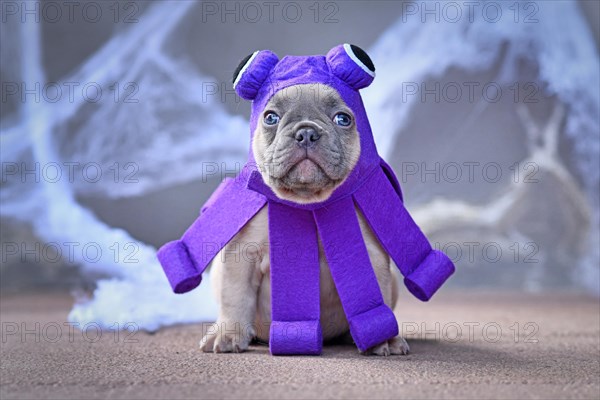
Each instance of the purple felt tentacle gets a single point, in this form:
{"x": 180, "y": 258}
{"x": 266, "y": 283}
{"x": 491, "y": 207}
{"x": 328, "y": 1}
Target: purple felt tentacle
{"x": 371, "y": 321}
{"x": 294, "y": 253}
{"x": 184, "y": 260}
{"x": 424, "y": 269}
{"x": 430, "y": 275}
{"x": 179, "y": 267}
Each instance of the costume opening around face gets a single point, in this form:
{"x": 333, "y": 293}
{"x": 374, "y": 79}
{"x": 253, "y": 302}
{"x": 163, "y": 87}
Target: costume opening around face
{"x": 294, "y": 228}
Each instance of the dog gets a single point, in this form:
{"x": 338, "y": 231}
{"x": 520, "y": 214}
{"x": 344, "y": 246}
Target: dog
{"x": 306, "y": 146}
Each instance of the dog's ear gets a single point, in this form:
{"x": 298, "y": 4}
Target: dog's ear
{"x": 252, "y": 73}
{"x": 352, "y": 65}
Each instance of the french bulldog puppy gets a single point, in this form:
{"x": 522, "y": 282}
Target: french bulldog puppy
{"x": 306, "y": 145}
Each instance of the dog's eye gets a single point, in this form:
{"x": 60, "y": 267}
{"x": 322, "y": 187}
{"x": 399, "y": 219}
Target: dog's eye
{"x": 342, "y": 119}
{"x": 271, "y": 118}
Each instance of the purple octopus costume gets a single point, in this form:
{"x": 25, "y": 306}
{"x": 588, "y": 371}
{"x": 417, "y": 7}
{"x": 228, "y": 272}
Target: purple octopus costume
{"x": 294, "y": 228}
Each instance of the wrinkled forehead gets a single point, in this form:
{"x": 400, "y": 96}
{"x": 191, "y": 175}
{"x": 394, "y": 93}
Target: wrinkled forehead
{"x": 306, "y": 95}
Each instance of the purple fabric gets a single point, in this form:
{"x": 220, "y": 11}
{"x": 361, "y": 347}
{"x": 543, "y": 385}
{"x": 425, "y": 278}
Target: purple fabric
{"x": 353, "y": 274}
{"x": 254, "y": 77}
{"x": 371, "y": 186}
{"x": 295, "y": 337}
{"x": 184, "y": 260}
{"x": 294, "y": 281}
{"x": 427, "y": 278}
{"x": 337, "y": 60}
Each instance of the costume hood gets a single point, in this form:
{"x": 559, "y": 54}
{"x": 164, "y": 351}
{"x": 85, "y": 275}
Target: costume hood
{"x": 346, "y": 68}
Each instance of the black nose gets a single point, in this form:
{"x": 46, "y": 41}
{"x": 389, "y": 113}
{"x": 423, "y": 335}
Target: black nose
{"x": 307, "y": 136}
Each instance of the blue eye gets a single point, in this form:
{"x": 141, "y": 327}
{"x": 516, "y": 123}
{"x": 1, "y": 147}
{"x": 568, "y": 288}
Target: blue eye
{"x": 342, "y": 119}
{"x": 271, "y": 118}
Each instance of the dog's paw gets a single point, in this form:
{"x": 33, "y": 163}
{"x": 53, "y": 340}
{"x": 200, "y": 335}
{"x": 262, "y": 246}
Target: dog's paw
{"x": 382, "y": 349}
{"x": 222, "y": 339}
{"x": 398, "y": 346}
{"x": 395, "y": 346}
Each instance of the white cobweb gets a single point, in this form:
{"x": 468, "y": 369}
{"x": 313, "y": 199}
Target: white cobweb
{"x": 111, "y": 131}
{"x": 560, "y": 43}
{"x": 137, "y": 292}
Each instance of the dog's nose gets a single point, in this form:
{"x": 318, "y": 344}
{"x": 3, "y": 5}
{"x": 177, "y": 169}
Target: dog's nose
{"x": 307, "y": 136}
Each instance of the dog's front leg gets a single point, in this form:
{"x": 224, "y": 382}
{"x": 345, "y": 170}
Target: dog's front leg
{"x": 236, "y": 279}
